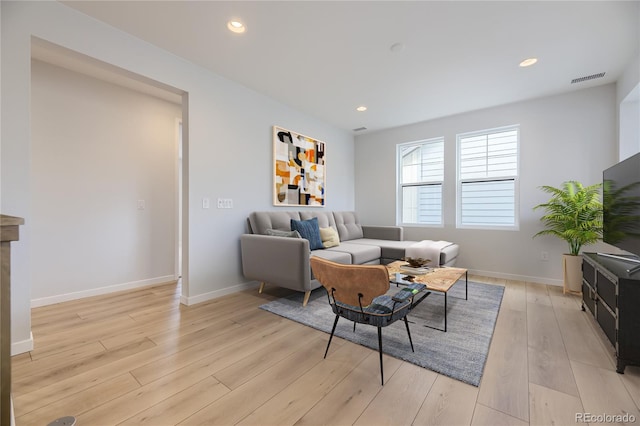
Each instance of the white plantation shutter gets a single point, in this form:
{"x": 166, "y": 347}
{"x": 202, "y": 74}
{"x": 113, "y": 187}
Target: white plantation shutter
{"x": 487, "y": 178}
{"x": 422, "y": 204}
{"x": 420, "y": 173}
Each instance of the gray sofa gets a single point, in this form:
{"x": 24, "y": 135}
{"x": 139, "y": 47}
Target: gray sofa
{"x": 284, "y": 261}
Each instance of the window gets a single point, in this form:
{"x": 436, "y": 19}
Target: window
{"x": 488, "y": 179}
{"x": 420, "y": 176}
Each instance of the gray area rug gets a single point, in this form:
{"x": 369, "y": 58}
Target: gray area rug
{"x": 460, "y": 353}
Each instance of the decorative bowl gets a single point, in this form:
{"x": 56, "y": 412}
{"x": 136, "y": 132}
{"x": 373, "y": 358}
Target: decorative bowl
{"x": 416, "y": 262}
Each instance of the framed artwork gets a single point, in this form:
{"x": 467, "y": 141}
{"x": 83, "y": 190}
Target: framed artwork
{"x": 299, "y": 169}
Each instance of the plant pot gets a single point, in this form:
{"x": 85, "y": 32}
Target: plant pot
{"x": 572, "y": 273}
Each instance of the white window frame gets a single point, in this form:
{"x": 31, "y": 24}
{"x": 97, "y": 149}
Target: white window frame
{"x": 509, "y": 177}
{"x": 401, "y": 185}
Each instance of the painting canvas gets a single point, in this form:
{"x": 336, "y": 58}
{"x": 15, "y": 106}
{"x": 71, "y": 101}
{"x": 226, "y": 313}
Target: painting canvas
{"x": 299, "y": 177}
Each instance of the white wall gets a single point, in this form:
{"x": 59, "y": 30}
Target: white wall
{"x": 630, "y": 124}
{"x": 565, "y": 137}
{"x": 628, "y": 100}
{"x": 229, "y": 147}
{"x": 97, "y": 149}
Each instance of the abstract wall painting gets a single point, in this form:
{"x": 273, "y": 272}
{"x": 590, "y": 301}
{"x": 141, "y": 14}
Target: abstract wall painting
{"x": 299, "y": 169}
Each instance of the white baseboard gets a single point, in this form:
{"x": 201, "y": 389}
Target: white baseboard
{"x": 51, "y": 300}
{"x": 13, "y": 415}
{"x": 254, "y": 284}
{"x": 22, "y": 346}
{"x": 217, "y": 293}
{"x": 539, "y": 280}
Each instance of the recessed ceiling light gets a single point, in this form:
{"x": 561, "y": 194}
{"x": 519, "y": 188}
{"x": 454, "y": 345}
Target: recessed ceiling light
{"x": 528, "y": 62}
{"x": 396, "y": 47}
{"x": 361, "y": 108}
{"x": 236, "y": 26}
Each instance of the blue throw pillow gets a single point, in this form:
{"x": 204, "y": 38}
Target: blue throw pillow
{"x": 309, "y": 230}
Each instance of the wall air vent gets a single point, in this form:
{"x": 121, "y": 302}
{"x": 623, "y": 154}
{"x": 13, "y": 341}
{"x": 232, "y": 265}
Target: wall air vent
{"x": 359, "y": 129}
{"x": 586, "y": 78}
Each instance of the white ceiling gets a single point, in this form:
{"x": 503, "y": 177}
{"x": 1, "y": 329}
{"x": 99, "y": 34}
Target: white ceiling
{"x": 327, "y": 57}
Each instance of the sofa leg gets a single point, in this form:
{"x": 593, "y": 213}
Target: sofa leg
{"x": 261, "y": 287}
{"x": 306, "y": 298}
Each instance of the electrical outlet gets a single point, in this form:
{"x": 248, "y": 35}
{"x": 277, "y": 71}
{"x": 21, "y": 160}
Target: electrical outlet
{"x": 205, "y": 203}
{"x": 141, "y": 205}
{"x": 544, "y": 256}
{"x": 220, "y": 203}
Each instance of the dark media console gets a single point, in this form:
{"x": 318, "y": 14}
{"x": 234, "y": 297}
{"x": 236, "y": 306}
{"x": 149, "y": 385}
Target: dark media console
{"x": 612, "y": 294}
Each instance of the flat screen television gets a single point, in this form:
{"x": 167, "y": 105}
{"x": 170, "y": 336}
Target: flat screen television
{"x": 621, "y": 206}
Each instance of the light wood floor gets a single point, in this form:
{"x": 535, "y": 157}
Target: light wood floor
{"x": 139, "y": 357}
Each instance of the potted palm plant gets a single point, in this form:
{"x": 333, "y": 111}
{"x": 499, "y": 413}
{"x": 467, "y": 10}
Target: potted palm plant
{"x": 573, "y": 214}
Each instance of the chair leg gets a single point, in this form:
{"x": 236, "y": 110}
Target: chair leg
{"x": 409, "y": 333}
{"x": 354, "y": 326}
{"x": 380, "y": 350}
{"x": 331, "y": 337}
{"x": 261, "y": 287}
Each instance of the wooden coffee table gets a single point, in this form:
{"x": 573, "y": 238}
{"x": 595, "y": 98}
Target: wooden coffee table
{"x": 436, "y": 279}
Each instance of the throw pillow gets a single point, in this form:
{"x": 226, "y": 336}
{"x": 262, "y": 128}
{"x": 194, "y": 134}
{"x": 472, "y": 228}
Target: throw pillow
{"x": 309, "y": 230}
{"x": 279, "y": 233}
{"x": 329, "y": 237}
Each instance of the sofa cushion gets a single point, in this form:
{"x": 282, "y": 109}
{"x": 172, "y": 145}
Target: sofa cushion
{"x": 309, "y": 230}
{"x": 348, "y": 225}
{"x": 360, "y": 253}
{"x": 389, "y": 249}
{"x": 329, "y": 237}
{"x": 325, "y": 219}
{"x": 334, "y": 256}
{"x": 261, "y": 221}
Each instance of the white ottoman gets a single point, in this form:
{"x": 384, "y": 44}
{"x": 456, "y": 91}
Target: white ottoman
{"x": 441, "y": 253}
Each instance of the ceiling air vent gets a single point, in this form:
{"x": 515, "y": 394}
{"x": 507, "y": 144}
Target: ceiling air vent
{"x": 587, "y": 78}
{"x": 359, "y": 129}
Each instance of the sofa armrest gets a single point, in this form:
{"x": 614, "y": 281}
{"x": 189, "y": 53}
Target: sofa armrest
{"x": 394, "y": 233}
{"x": 277, "y": 260}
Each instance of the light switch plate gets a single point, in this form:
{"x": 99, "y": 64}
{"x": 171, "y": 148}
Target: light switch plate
{"x": 225, "y": 203}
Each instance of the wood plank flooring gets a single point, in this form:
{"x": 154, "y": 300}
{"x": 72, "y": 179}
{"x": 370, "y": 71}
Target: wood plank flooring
{"x": 139, "y": 357}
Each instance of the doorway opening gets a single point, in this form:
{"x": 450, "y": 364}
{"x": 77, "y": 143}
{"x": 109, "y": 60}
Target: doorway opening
{"x": 129, "y": 215}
